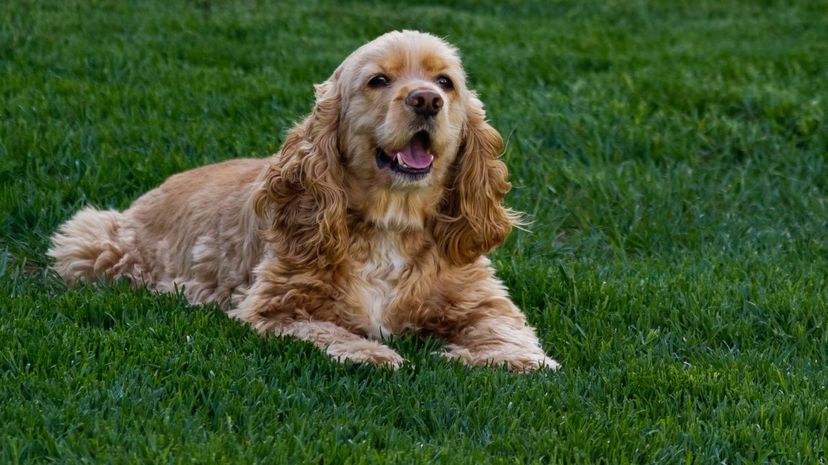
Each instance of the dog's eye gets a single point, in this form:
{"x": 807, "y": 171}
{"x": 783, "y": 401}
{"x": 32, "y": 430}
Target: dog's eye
{"x": 444, "y": 82}
{"x": 380, "y": 80}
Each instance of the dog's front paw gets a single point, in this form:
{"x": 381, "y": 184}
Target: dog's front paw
{"x": 515, "y": 358}
{"x": 532, "y": 363}
{"x": 367, "y": 352}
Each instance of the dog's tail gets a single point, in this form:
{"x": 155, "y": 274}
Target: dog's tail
{"x": 86, "y": 247}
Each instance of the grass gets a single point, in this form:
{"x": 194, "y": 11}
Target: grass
{"x": 674, "y": 158}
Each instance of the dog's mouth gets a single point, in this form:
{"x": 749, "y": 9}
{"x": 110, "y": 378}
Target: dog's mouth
{"x": 413, "y": 161}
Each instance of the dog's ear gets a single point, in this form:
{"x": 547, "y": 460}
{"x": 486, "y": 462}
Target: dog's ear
{"x": 302, "y": 193}
{"x": 472, "y": 220}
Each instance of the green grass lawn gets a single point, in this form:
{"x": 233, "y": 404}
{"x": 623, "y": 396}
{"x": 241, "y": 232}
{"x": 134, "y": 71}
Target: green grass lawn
{"x": 674, "y": 159}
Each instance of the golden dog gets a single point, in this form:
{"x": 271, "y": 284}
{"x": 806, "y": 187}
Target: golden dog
{"x": 372, "y": 220}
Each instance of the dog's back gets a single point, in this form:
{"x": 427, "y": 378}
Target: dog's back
{"x": 192, "y": 233}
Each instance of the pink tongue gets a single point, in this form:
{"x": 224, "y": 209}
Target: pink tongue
{"x": 415, "y": 155}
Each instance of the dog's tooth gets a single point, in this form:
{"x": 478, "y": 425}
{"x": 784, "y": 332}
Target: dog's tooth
{"x": 400, "y": 160}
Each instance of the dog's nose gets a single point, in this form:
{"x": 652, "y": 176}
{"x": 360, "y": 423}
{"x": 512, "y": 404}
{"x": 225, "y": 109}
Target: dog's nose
{"x": 424, "y": 102}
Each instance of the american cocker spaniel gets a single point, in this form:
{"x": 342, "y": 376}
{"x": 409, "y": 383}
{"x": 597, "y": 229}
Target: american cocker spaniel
{"x": 371, "y": 221}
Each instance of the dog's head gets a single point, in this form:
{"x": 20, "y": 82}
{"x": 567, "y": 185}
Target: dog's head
{"x": 397, "y": 137}
{"x": 403, "y": 110}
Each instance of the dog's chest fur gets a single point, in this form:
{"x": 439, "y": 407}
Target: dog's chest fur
{"x": 377, "y": 281}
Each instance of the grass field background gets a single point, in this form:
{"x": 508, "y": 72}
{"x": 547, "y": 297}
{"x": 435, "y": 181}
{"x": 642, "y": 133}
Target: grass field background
{"x": 673, "y": 157}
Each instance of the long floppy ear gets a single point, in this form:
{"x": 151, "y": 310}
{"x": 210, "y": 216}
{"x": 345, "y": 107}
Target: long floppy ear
{"x": 472, "y": 220}
{"x": 302, "y": 192}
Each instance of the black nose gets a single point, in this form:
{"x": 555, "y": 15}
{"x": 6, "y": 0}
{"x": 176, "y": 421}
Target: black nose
{"x": 424, "y": 102}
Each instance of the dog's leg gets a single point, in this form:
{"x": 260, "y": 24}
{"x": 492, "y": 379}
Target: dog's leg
{"x": 480, "y": 324}
{"x": 484, "y": 327}
{"x": 275, "y": 306}
{"x": 342, "y": 344}
{"x": 499, "y": 340}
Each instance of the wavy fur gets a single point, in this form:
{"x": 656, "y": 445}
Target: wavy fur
{"x": 472, "y": 219}
{"x": 302, "y": 190}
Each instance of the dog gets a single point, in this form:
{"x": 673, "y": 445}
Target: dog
{"x": 372, "y": 220}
